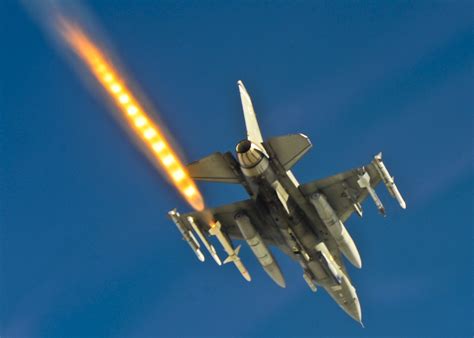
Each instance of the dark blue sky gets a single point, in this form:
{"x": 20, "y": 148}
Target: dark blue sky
{"x": 86, "y": 248}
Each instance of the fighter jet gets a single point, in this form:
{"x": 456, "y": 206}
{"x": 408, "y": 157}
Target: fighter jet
{"x": 305, "y": 221}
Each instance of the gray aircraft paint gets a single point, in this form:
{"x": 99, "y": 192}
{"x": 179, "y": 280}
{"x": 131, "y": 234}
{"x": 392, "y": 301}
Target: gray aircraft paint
{"x": 304, "y": 221}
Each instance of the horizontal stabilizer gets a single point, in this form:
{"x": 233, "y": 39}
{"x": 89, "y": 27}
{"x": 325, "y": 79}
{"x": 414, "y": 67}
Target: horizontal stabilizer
{"x": 213, "y": 168}
{"x": 289, "y": 149}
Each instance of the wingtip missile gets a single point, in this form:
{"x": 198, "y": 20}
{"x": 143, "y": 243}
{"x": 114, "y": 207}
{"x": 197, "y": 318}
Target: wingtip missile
{"x": 187, "y": 234}
{"x": 388, "y": 180}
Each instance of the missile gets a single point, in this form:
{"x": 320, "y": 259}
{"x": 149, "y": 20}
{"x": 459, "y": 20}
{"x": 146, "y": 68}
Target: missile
{"x": 187, "y": 234}
{"x": 388, "y": 180}
{"x": 336, "y": 228}
{"x": 233, "y": 257}
{"x": 204, "y": 240}
{"x": 260, "y": 250}
{"x": 364, "y": 182}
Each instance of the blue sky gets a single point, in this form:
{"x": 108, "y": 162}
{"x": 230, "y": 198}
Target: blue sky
{"x": 86, "y": 248}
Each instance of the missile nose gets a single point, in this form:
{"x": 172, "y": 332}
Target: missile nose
{"x": 247, "y": 276}
{"x": 403, "y": 204}
{"x": 216, "y": 259}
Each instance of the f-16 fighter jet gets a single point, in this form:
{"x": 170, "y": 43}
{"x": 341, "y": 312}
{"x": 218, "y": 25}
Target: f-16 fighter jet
{"x": 305, "y": 221}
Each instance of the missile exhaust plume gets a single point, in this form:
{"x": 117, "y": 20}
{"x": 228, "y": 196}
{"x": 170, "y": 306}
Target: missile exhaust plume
{"x": 131, "y": 110}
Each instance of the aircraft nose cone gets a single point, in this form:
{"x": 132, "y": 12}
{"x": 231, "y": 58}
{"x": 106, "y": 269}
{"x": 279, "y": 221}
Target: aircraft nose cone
{"x": 354, "y": 310}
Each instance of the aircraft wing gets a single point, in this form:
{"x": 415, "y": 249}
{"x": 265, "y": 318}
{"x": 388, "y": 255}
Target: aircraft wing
{"x": 342, "y": 190}
{"x": 225, "y": 215}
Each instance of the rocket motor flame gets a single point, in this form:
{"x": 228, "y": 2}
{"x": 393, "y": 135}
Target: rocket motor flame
{"x": 136, "y": 118}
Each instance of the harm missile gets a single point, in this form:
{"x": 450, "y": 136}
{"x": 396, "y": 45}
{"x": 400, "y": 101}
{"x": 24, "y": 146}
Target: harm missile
{"x": 255, "y": 242}
{"x": 388, "y": 180}
{"x": 233, "y": 257}
{"x": 364, "y": 182}
{"x": 187, "y": 234}
{"x": 336, "y": 228}
{"x": 204, "y": 240}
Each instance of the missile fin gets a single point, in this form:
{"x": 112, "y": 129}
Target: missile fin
{"x": 237, "y": 250}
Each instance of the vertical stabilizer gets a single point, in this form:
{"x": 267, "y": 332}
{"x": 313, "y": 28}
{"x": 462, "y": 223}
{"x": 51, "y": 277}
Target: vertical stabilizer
{"x": 253, "y": 130}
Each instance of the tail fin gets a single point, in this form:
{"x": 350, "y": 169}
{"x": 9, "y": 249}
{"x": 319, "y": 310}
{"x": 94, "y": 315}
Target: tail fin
{"x": 253, "y": 130}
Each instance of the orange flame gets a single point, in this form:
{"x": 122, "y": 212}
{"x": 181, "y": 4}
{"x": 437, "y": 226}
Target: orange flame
{"x": 133, "y": 113}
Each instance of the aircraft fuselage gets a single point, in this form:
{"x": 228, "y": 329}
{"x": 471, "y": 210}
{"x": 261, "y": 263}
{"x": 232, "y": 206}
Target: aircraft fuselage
{"x": 300, "y": 235}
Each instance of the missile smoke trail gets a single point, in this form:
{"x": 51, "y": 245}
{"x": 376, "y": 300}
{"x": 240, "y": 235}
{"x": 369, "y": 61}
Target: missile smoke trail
{"x": 137, "y": 120}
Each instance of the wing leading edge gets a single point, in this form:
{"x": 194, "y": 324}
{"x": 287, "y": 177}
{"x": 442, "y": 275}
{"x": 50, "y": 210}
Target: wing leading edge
{"x": 346, "y": 191}
{"x": 226, "y": 216}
